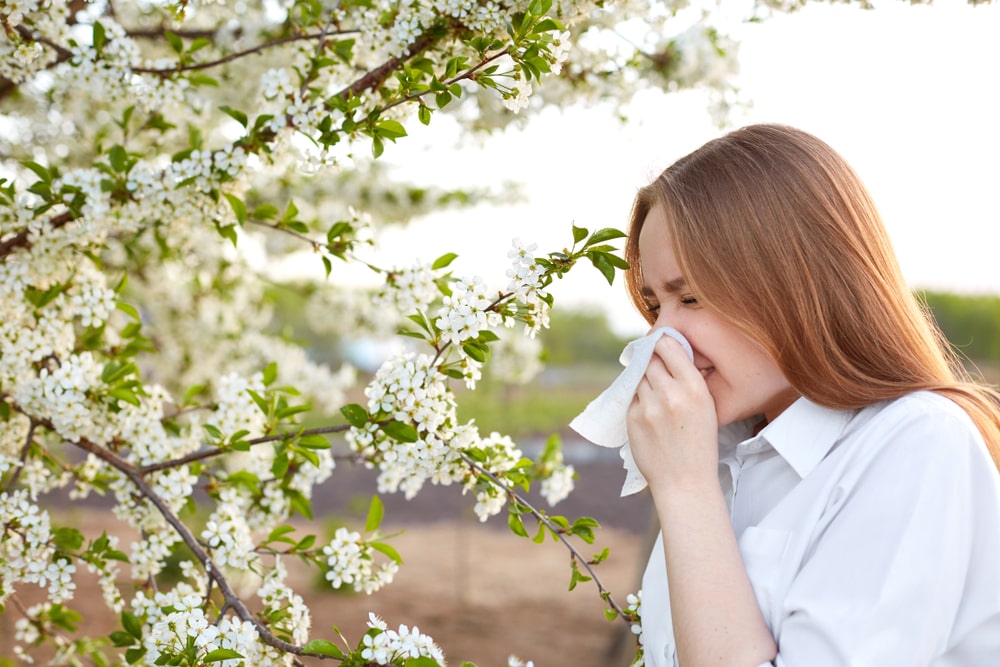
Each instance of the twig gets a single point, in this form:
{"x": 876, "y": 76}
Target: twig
{"x": 218, "y": 451}
{"x": 558, "y": 531}
{"x": 236, "y": 55}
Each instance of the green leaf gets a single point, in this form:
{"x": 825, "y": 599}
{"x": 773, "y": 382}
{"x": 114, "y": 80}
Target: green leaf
{"x": 391, "y": 129}
{"x": 202, "y": 80}
{"x": 236, "y": 114}
{"x": 605, "y": 234}
{"x": 118, "y": 158}
{"x": 476, "y": 352}
{"x": 384, "y": 548}
{"x": 192, "y": 392}
{"x": 221, "y": 654}
{"x": 376, "y": 510}
{"x": 305, "y": 543}
{"x": 125, "y": 394}
{"x": 131, "y": 624}
{"x": 278, "y": 535}
{"x": 67, "y": 539}
{"x": 576, "y": 576}
{"x": 314, "y": 441}
{"x": 355, "y": 414}
{"x": 239, "y": 208}
{"x": 175, "y": 42}
{"x": 100, "y": 37}
{"x": 279, "y": 467}
{"x": 265, "y": 212}
{"x": 323, "y": 647}
{"x": 579, "y": 233}
{"x": 119, "y": 638}
{"x": 422, "y": 661}
{"x": 400, "y": 431}
{"x": 134, "y": 655}
{"x": 601, "y": 263}
{"x": 515, "y": 524}
{"x": 424, "y": 114}
{"x": 129, "y": 310}
{"x": 444, "y": 260}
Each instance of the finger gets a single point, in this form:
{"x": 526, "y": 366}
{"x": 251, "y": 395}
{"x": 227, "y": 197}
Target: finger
{"x": 674, "y": 358}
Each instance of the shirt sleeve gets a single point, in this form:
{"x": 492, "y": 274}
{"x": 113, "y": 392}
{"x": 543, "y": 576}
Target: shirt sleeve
{"x": 900, "y": 566}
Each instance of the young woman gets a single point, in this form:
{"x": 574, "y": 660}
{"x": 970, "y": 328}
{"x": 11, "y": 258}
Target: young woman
{"x": 824, "y": 472}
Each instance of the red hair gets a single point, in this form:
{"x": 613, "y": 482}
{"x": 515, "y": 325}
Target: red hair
{"x": 775, "y": 232}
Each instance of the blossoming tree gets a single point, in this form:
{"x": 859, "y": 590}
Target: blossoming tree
{"x": 156, "y": 155}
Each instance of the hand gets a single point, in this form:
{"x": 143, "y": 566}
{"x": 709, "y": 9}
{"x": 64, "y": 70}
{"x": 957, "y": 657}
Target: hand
{"x": 672, "y": 425}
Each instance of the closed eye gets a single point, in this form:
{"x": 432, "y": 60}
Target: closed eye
{"x": 688, "y": 300}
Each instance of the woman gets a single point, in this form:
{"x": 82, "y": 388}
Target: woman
{"x": 824, "y": 473}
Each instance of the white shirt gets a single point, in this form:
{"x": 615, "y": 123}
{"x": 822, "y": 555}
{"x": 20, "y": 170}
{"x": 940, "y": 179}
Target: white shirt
{"x": 871, "y": 537}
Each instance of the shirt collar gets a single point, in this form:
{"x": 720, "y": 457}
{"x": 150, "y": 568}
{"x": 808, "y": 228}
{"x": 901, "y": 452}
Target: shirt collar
{"x": 802, "y": 434}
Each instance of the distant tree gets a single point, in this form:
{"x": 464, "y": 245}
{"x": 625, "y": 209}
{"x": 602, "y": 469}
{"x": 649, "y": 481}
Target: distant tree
{"x": 970, "y": 322}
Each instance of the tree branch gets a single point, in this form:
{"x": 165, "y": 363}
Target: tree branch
{"x": 557, "y": 531}
{"x": 237, "y": 55}
{"x": 380, "y": 74}
{"x": 218, "y": 451}
{"x": 231, "y": 598}
{"x": 20, "y": 240}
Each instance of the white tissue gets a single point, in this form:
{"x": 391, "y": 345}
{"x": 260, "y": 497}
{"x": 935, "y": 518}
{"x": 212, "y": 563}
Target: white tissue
{"x": 603, "y": 421}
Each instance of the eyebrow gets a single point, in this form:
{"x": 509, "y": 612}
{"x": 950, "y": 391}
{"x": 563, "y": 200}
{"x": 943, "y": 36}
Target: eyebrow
{"x": 670, "y": 287}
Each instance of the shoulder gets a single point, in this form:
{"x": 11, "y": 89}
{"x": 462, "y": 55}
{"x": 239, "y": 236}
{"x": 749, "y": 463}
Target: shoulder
{"x": 922, "y": 429}
{"x": 926, "y": 413}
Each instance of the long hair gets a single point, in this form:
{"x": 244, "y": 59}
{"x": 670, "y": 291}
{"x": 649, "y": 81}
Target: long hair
{"x": 775, "y": 231}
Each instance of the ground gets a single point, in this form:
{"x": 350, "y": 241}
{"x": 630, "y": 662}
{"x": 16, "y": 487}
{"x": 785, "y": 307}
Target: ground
{"x": 479, "y": 590}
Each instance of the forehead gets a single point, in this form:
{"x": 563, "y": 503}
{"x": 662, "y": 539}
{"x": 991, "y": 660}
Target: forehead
{"x": 657, "y": 259}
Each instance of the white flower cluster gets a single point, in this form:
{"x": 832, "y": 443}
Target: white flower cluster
{"x": 25, "y": 550}
{"x": 351, "y": 560}
{"x": 467, "y": 311}
{"x": 278, "y": 597}
{"x": 388, "y": 647}
{"x": 514, "y": 661}
{"x": 227, "y": 535}
{"x": 408, "y": 290}
{"x": 235, "y": 408}
{"x": 500, "y": 455}
{"x": 203, "y": 168}
{"x": 175, "y": 617}
{"x": 411, "y": 389}
{"x": 142, "y": 426}
{"x": 635, "y": 607}
{"x": 526, "y": 283}
{"x": 559, "y": 483}
{"x": 61, "y": 394}
{"x": 48, "y": 18}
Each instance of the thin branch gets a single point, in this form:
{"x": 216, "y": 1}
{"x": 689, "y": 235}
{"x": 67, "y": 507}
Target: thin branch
{"x": 558, "y": 531}
{"x": 231, "y": 598}
{"x": 455, "y": 79}
{"x": 218, "y": 451}
{"x": 236, "y": 55}
{"x": 316, "y": 245}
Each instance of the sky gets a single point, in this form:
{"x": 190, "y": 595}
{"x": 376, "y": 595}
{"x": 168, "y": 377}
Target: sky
{"x": 910, "y": 95}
